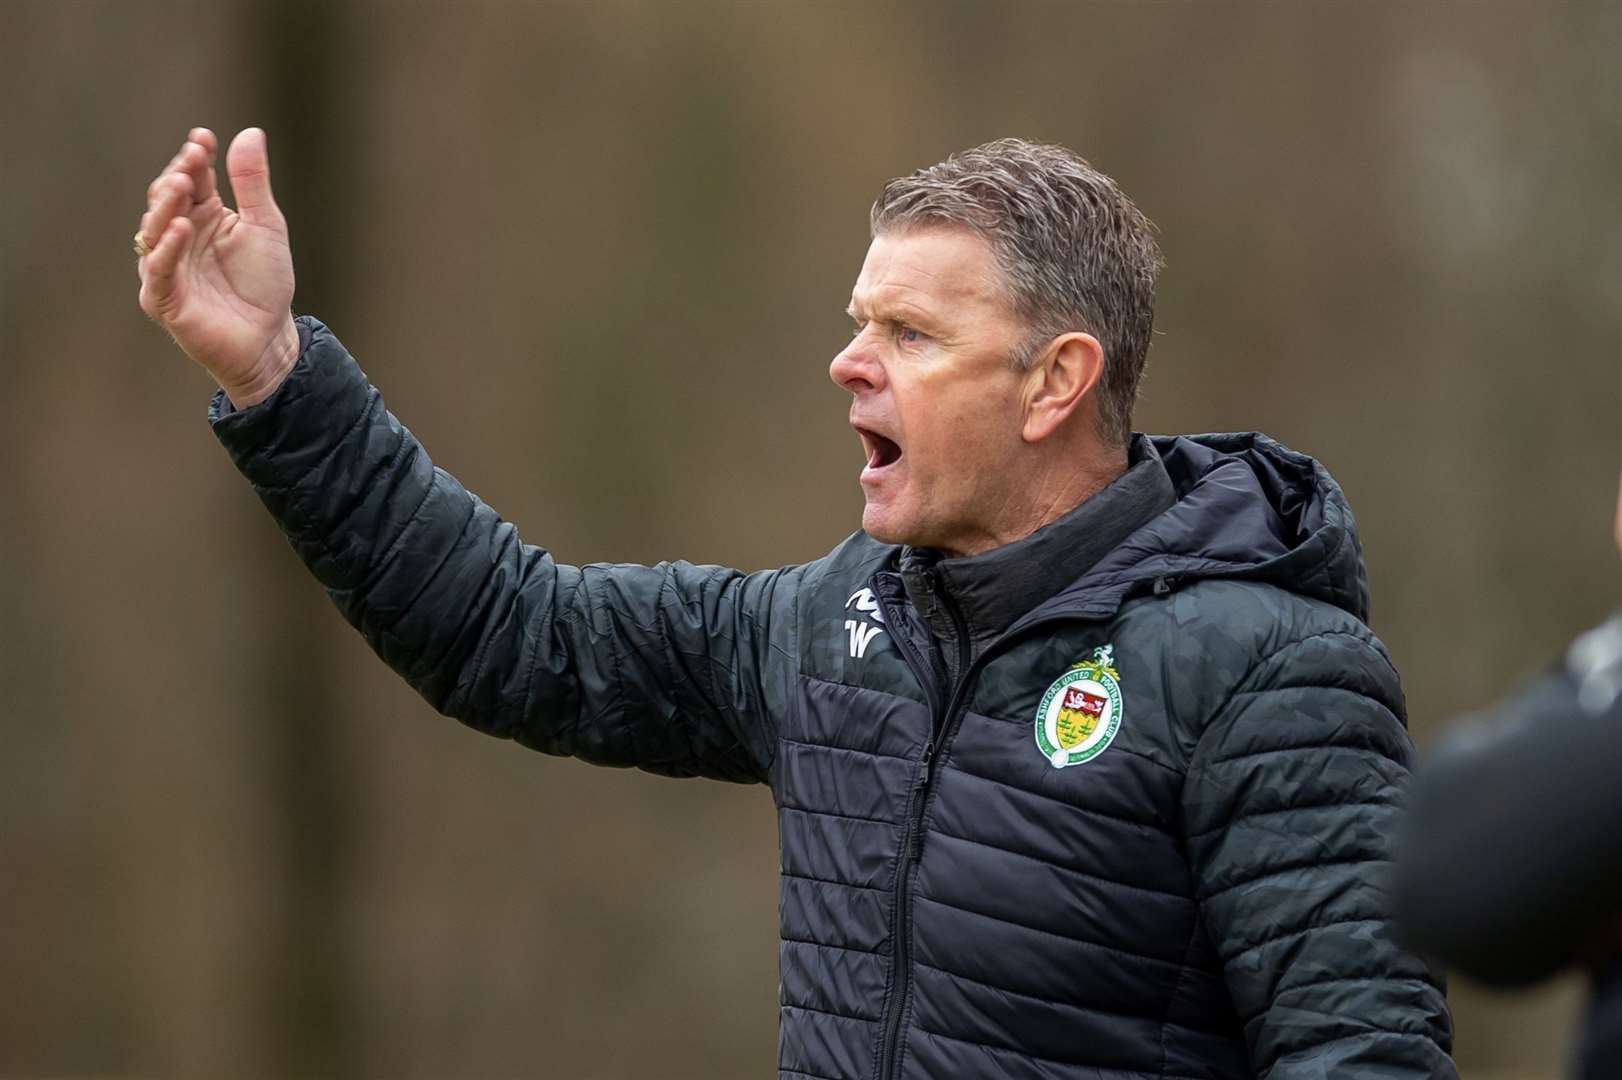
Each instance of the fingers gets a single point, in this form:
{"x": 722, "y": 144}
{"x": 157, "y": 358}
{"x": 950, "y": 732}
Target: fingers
{"x": 247, "y": 161}
{"x": 196, "y": 158}
{"x": 174, "y": 162}
{"x": 204, "y": 138}
{"x": 202, "y": 172}
{"x": 198, "y": 163}
{"x": 158, "y": 268}
{"x": 172, "y": 197}
{"x": 186, "y": 180}
{"x": 157, "y": 181}
{"x": 167, "y": 232}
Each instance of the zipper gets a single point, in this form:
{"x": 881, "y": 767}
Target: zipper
{"x": 900, "y": 933}
{"x": 943, "y": 726}
{"x": 954, "y": 710}
{"x": 912, "y": 841}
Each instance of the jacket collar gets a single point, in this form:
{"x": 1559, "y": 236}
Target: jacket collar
{"x": 993, "y": 589}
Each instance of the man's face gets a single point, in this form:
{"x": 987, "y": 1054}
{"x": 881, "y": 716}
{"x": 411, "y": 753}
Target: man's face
{"x": 935, "y": 400}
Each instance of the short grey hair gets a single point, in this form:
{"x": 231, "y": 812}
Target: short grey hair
{"x": 1077, "y": 253}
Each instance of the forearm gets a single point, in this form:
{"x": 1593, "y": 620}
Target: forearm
{"x": 657, "y": 667}
{"x": 413, "y": 560}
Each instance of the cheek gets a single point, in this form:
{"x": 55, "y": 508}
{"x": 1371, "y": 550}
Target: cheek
{"x": 956, "y": 437}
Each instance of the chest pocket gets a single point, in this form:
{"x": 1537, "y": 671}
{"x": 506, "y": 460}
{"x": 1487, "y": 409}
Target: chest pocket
{"x": 1068, "y": 736}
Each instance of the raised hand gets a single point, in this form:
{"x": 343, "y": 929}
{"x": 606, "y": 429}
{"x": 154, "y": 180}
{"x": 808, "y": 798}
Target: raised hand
{"x": 221, "y": 280}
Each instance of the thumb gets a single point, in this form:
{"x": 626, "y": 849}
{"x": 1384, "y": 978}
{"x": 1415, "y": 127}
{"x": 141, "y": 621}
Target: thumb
{"x": 247, "y": 162}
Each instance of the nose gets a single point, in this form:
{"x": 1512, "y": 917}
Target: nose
{"x": 857, "y": 367}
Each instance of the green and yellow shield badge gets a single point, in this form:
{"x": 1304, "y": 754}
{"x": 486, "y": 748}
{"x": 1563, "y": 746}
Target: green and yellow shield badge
{"x": 1081, "y": 712}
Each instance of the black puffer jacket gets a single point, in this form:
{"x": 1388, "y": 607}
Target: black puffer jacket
{"x": 1139, "y": 830}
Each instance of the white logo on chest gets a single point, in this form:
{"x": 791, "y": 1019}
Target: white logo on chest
{"x": 861, "y": 631}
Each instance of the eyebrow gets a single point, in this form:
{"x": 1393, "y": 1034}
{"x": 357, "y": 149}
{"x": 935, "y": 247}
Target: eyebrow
{"x": 912, "y": 315}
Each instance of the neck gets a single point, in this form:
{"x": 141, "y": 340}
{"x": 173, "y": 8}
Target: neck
{"x": 1049, "y": 491}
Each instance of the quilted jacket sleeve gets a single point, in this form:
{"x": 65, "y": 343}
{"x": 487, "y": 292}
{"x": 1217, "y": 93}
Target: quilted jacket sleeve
{"x": 663, "y": 667}
{"x": 1292, "y": 802}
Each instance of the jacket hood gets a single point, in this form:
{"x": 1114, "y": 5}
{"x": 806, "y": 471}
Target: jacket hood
{"x": 1248, "y": 508}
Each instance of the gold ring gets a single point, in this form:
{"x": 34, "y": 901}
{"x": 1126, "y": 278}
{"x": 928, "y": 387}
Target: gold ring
{"x": 141, "y": 250}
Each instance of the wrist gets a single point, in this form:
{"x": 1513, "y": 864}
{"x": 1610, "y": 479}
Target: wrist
{"x": 275, "y": 363}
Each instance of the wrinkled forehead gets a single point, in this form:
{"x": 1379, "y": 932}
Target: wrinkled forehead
{"x": 940, "y": 268}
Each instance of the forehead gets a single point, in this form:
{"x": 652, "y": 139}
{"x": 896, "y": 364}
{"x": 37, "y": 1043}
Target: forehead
{"x": 939, "y": 269}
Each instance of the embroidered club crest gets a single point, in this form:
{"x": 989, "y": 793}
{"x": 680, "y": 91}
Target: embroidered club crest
{"x": 1081, "y": 712}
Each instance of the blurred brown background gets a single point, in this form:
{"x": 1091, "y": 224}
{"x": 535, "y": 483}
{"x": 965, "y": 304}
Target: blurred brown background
{"x": 597, "y": 255}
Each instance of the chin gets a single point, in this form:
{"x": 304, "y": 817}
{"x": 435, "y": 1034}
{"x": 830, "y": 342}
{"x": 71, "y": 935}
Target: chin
{"x": 887, "y": 526}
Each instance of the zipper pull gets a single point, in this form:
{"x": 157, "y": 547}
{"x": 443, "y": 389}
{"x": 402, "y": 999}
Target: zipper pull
{"x": 918, "y": 829}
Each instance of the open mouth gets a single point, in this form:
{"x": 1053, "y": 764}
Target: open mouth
{"x": 882, "y": 452}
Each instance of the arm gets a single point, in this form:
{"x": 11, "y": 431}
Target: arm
{"x": 1291, "y": 805}
{"x": 1511, "y": 864}
{"x": 660, "y": 667}
{"x": 665, "y": 667}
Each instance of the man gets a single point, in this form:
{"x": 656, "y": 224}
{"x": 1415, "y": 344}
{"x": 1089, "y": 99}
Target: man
{"x": 1085, "y": 760}
{"x": 1512, "y": 864}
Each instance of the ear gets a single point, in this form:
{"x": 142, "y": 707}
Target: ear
{"x": 1059, "y": 382}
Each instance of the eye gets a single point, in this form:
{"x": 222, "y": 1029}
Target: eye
{"x": 908, "y": 335}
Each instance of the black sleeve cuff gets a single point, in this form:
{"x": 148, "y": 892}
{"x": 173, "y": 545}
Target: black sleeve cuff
{"x": 276, "y": 441}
